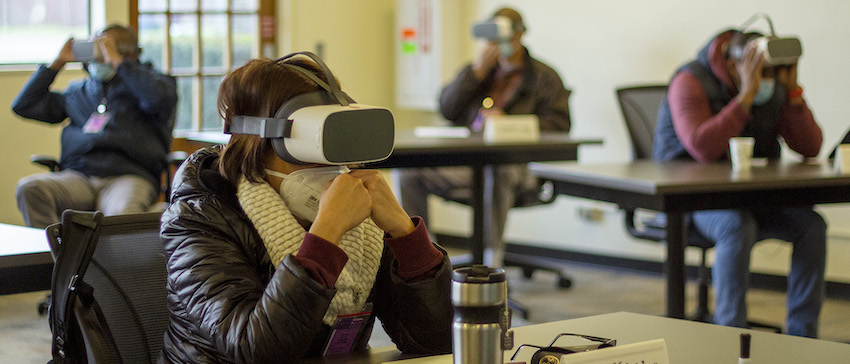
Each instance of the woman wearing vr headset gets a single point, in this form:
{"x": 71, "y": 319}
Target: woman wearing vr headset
{"x": 275, "y": 261}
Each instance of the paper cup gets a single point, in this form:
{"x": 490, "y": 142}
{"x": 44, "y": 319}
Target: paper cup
{"x": 741, "y": 152}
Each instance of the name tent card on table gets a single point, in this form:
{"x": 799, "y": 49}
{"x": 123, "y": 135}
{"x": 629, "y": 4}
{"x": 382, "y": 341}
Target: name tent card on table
{"x": 842, "y": 159}
{"x": 511, "y": 128}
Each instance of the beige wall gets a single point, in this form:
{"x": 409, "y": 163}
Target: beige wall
{"x": 21, "y": 138}
{"x": 356, "y": 37}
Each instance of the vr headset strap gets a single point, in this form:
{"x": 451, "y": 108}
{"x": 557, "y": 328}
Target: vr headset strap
{"x": 311, "y": 76}
{"x": 334, "y": 88}
{"x": 279, "y": 126}
{"x": 263, "y": 127}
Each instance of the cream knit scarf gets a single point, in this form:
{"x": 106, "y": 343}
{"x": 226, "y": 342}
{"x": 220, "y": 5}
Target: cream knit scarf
{"x": 282, "y": 235}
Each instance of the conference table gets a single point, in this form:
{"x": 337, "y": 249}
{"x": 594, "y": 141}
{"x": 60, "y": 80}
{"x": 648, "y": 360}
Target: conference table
{"x": 474, "y": 151}
{"x": 679, "y": 187}
{"x": 25, "y": 261}
{"x": 687, "y": 342}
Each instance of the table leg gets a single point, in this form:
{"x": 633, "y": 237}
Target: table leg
{"x": 478, "y": 215}
{"x": 675, "y": 264}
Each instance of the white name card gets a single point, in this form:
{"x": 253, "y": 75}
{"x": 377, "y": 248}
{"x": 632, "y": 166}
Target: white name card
{"x": 511, "y": 128}
{"x": 842, "y": 159}
{"x": 441, "y": 132}
{"x": 646, "y": 352}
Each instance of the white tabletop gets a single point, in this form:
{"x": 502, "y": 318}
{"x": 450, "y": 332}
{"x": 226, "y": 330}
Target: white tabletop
{"x": 687, "y": 341}
{"x": 22, "y": 240}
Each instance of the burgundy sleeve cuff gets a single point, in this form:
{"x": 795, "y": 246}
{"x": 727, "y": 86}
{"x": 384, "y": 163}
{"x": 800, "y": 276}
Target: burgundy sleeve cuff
{"x": 415, "y": 253}
{"x": 321, "y": 259}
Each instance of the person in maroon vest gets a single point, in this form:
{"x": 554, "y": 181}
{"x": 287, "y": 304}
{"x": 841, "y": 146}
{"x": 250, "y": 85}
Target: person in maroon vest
{"x": 730, "y": 90}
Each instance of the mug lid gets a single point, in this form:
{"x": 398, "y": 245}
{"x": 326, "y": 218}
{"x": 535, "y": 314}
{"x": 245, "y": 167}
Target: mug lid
{"x": 478, "y": 274}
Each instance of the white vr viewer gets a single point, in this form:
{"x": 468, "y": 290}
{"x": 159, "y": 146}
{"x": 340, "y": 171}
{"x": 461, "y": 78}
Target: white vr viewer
{"x": 777, "y": 50}
{"x": 780, "y": 51}
{"x": 496, "y": 29}
{"x": 323, "y": 127}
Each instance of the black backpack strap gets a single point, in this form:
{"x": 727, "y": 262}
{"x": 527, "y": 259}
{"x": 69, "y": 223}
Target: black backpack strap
{"x": 73, "y": 242}
{"x": 89, "y": 317}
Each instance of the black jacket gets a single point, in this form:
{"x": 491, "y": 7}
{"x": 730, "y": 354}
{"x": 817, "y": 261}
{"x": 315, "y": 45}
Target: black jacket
{"x": 136, "y": 140}
{"x": 541, "y": 93}
{"x": 230, "y": 304}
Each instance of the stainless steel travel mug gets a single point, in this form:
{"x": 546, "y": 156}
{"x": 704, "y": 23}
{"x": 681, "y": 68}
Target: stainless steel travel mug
{"x": 481, "y": 316}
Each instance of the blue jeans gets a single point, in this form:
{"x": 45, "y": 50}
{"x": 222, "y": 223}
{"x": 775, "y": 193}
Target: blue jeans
{"x": 736, "y": 231}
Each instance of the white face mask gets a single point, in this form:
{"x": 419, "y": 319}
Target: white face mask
{"x": 301, "y": 189}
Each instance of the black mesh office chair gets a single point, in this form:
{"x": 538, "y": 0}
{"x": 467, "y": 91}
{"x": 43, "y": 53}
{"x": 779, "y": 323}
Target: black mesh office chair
{"x": 108, "y": 301}
{"x": 639, "y": 105}
{"x": 174, "y": 159}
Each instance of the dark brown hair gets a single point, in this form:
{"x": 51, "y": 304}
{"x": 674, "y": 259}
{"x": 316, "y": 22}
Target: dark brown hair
{"x": 126, "y": 41}
{"x": 258, "y": 88}
{"x": 513, "y": 15}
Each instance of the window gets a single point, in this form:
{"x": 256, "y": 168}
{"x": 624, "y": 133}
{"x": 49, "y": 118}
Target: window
{"x": 37, "y": 29}
{"x": 199, "y": 42}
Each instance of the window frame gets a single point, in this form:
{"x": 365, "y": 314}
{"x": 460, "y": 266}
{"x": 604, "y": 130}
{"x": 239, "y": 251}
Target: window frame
{"x": 264, "y": 37}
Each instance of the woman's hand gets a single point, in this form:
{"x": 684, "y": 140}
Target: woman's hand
{"x": 386, "y": 212}
{"x": 344, "y": 204}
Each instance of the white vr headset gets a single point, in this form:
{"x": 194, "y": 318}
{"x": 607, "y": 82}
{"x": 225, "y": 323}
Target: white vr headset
{"x": 777, "y": 51}
{"x": 496, "y": 29}
{"x": 780, "y": 51}
{"x": 323, "y": 127}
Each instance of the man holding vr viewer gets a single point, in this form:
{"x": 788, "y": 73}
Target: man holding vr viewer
{"x": 276, "y": 250}
{"x": 504, "y": 79}
{"x": 745, "y": 84}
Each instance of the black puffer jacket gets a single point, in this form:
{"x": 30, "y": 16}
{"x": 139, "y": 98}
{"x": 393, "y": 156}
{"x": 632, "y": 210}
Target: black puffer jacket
{"x": 229, "y": 303}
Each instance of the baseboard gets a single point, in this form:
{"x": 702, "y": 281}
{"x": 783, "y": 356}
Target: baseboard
{"x": 837, "y": 290}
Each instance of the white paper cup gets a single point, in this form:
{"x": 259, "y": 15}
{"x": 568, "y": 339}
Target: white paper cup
{"x": 741, "y": 152}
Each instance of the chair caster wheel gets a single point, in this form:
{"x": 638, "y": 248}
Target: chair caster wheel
{"x": 565, "y": 282}
{"x": 43, "y": 305}
{"x": 527, "y": 272}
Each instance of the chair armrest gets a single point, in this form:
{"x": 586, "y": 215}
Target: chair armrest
{"x": 176, "y": 158}
{"x": 45, "y": 160}
{"x": 649, "y": 231}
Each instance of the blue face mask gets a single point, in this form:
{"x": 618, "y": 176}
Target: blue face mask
{"x": 766, "y": 89}
{"x": 102, "y": 72}
{"x": 506, "y": 48}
